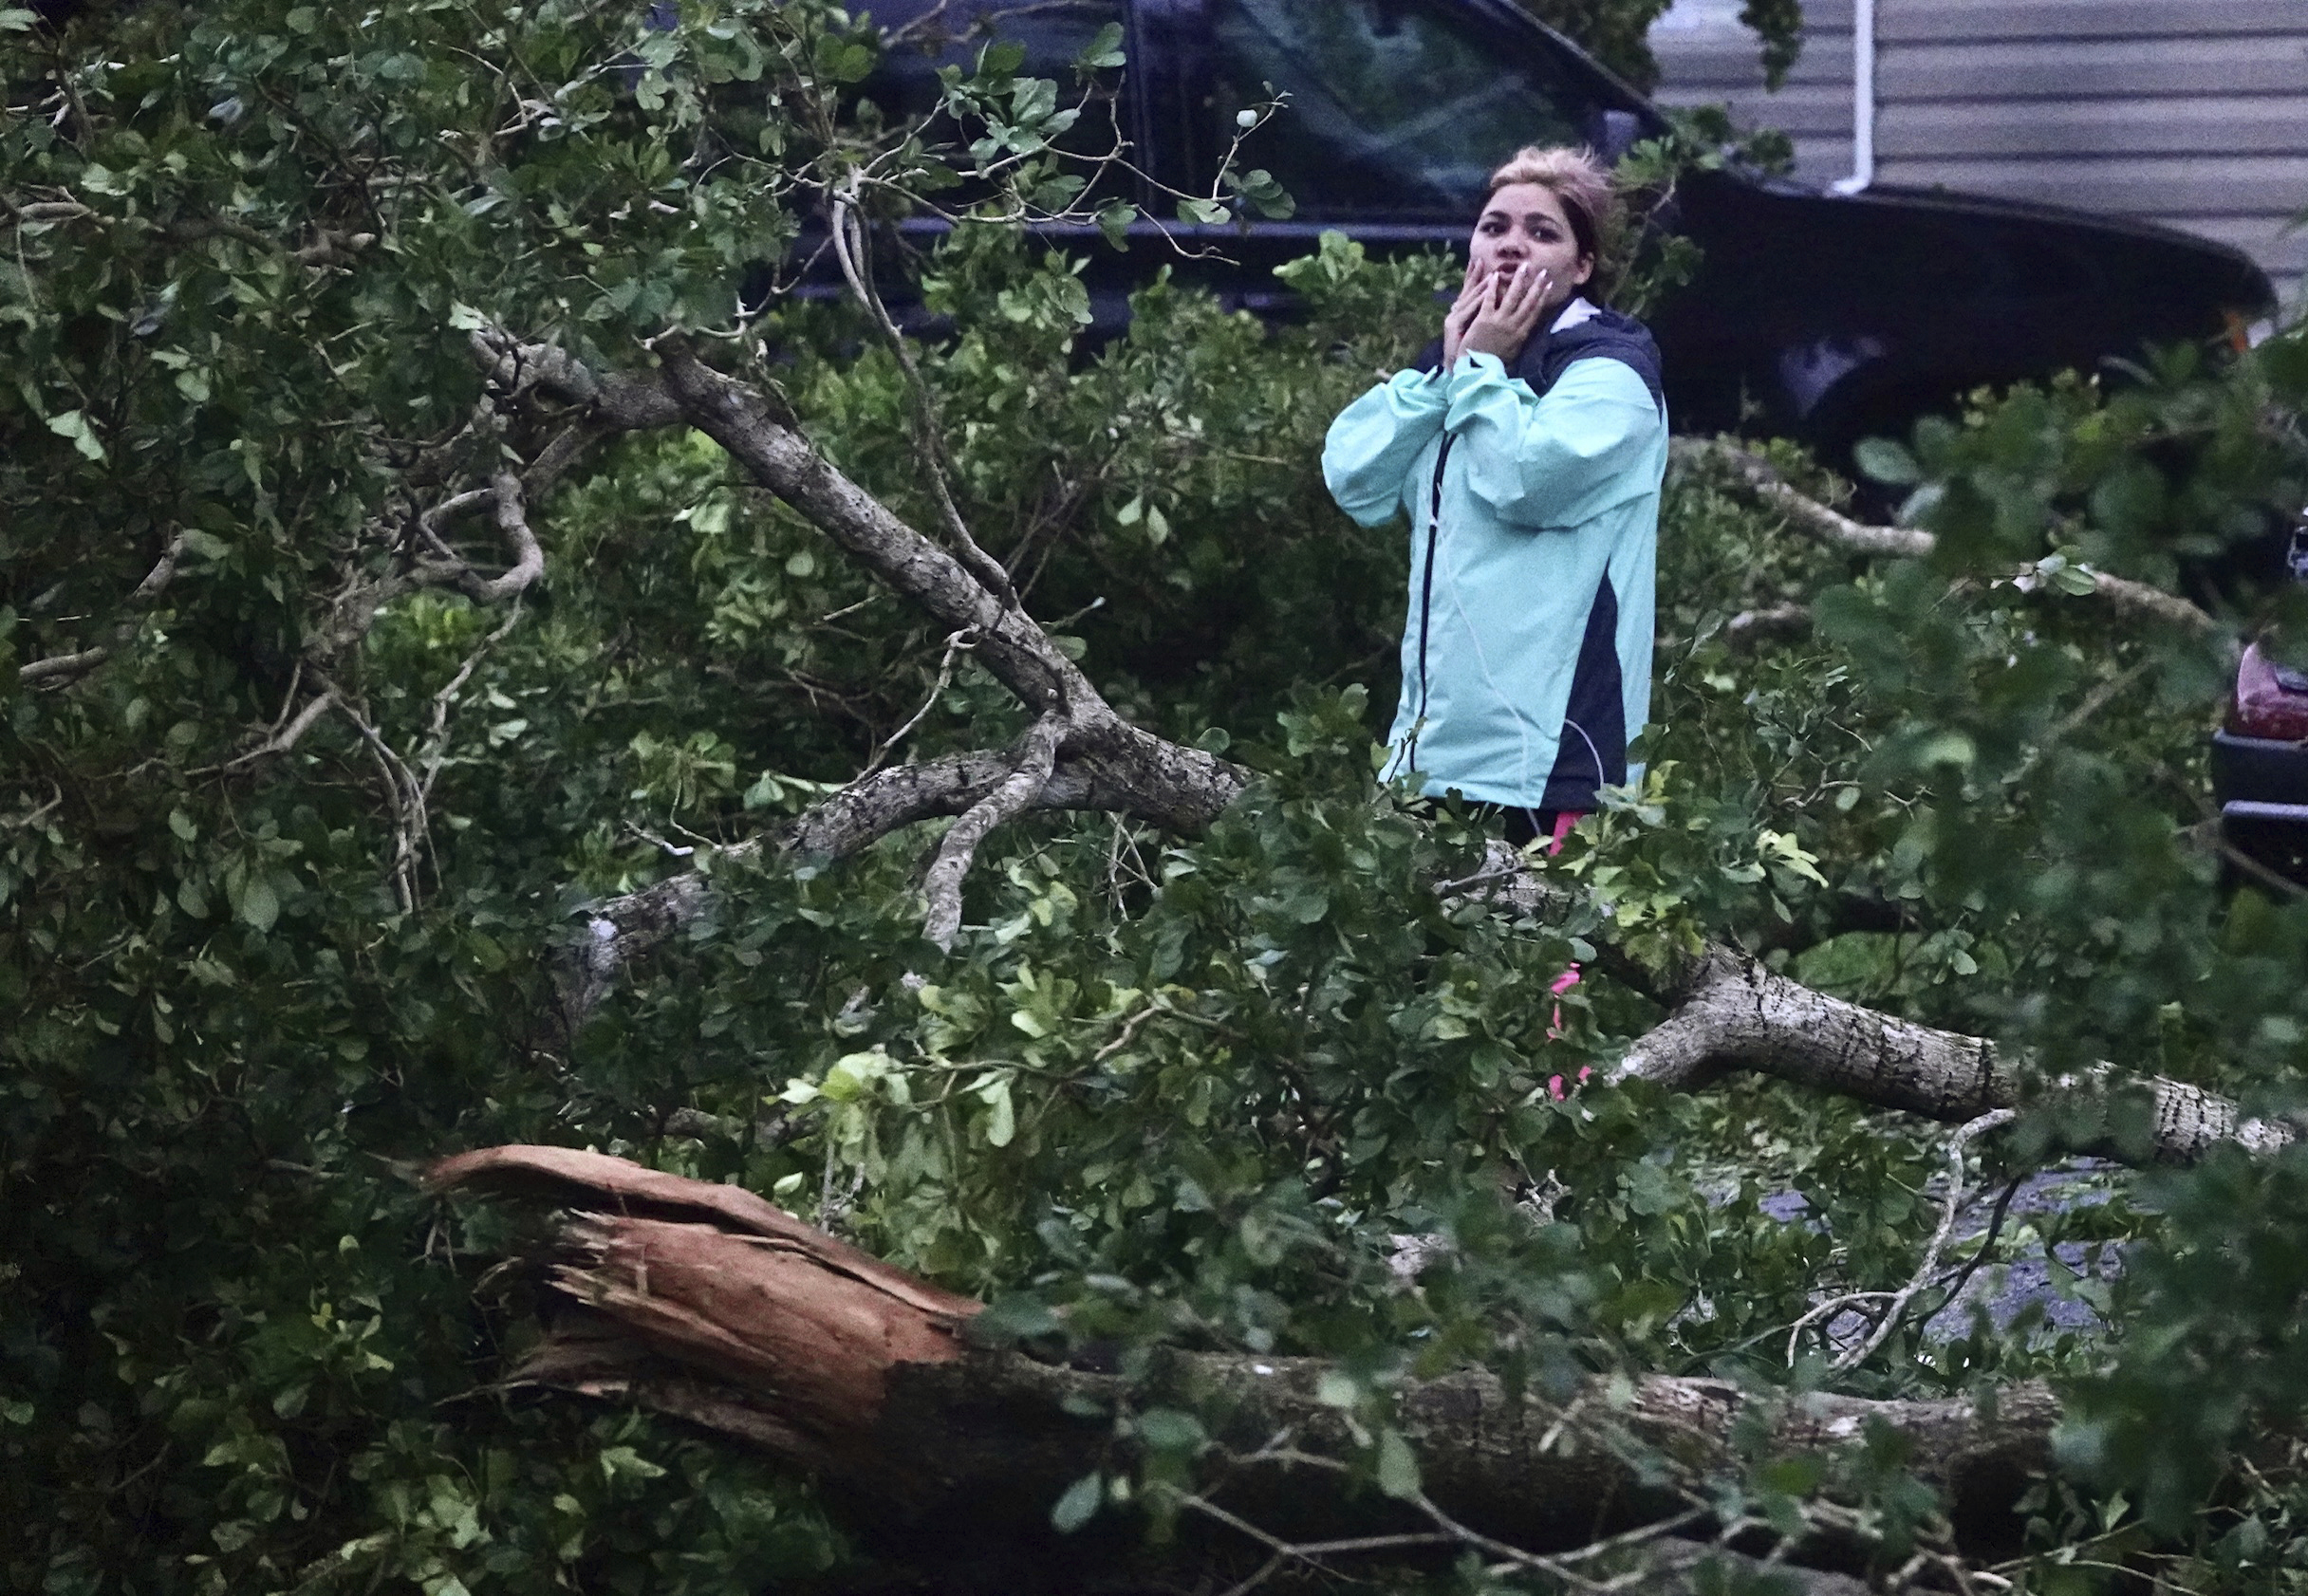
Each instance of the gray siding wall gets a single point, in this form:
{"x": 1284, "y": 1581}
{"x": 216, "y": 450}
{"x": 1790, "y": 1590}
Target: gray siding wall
{"x": 1705, "y": 58}
{"x": 2193, "y": 113}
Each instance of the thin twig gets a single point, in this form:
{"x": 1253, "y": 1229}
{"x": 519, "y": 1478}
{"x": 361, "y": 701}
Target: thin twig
{"x": 2093, "y": 701}
{"x": 61, "y": 670}
{"x": 1309, "y": 1553}
{"x": 959, "y": 643}
{"x": 1827, "y": 1310}
{"x": 1130, "y": 1030}
{"x": 850, "y": 248}
{"x": 1960, "y": 1279}
{"x": 2213, "y": 832}
{"x": 281, "y": 740}
{"x": 1651, "y": 1532}
{"x": 1956, "y": 1146}
{"x": 437, "y": 746}
{"x": 1506, "y": 1551}
{"x": 408, "y": 807}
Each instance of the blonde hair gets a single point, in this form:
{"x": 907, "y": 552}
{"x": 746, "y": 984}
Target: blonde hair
{"x": 1582, "y": 182}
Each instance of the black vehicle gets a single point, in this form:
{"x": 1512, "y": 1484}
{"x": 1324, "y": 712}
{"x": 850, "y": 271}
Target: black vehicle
{"x": 1818, "y": 316}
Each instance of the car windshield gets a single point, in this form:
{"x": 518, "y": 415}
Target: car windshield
{"x": 1396, "y": 108}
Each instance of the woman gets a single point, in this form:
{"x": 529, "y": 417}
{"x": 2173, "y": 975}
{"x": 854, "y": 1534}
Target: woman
{"x": 1528, "y": 447}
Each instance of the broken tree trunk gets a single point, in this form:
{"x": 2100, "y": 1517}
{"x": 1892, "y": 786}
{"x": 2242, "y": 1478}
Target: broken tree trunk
{"x": 707, "y": 1303}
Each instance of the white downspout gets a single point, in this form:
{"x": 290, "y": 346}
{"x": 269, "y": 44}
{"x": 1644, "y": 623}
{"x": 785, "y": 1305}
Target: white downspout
{"x": 1863, "y": 101}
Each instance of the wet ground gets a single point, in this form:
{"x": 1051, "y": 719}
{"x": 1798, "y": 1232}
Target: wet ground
{"x": 2025, "y": 1278}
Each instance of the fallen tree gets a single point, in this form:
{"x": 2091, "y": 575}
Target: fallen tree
{"x": 474, "y": 680}
{"x": 708, "y": 1304}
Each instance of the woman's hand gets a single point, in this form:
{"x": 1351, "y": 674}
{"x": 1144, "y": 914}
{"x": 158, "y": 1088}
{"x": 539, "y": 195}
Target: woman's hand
{"x": 1501, "y": 317}
{"x": 1460, "y": 316}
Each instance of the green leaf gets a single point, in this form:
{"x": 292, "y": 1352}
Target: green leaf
{"x": 1798, "y": 1476}
{"x": 1001, "y": 1126}
{"x": 1886, "y": 462}
{"x": 1398, "y": 1466}
{"x": 1105, "y": 50}
{"x": 1945, "y": 748}
{"x": 620, "y": 1461}
{"x": 255, "y": 903}
{"x": 1114, "y": 219}
{"x": 1167, "y": 1429}
{"x": 1650, "y": 1190}
{"x": 1079, "y": 1505}
{"x": 74, "y": 425}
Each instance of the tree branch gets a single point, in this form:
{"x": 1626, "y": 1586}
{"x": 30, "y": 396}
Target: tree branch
{"x": 1735, "y": 1013}
{"x": 1140, "y": 773}
{"x": 765, "y": 443}
{"x": 851, "y": 250}
{"x": 890, "y": 800}
{"x": 284, "y": 738}
{"x": 162, "y": 573}
{"x": 625, "y": 403}
{"x": 512, "y": 520}
{"x": 1957, "y": 1145}
{"x": 1761, "y": 482}
{"x": 61, "y": 670}
{"x": 1750, "y": 627}
{"x": 1037, "y": 756}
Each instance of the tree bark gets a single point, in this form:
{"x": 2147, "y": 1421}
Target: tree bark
{"x": 1099, "y": 761}
{"x": 1761, "y": 482}
{"x": 707, "y": 1303}
{"x": 1735, "y": 1013}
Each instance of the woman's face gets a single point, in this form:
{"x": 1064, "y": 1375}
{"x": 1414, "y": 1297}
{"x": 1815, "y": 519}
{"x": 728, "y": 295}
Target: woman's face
{"x": 1525, "y": 222}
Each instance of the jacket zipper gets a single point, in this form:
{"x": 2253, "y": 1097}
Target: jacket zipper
{"x": 1426, "y": 598}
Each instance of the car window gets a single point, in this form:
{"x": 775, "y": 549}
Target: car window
{"x": 1397, "y": 108}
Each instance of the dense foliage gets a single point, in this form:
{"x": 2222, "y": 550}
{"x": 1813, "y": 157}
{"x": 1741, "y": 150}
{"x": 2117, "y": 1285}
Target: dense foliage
{"x": 1166, "y": 1088}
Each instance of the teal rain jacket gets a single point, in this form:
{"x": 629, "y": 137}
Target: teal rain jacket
{"x": 1534, "y": 504}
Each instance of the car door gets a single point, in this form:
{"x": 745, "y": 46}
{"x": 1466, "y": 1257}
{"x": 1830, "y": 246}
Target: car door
{"x": 1396, "y": 112}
